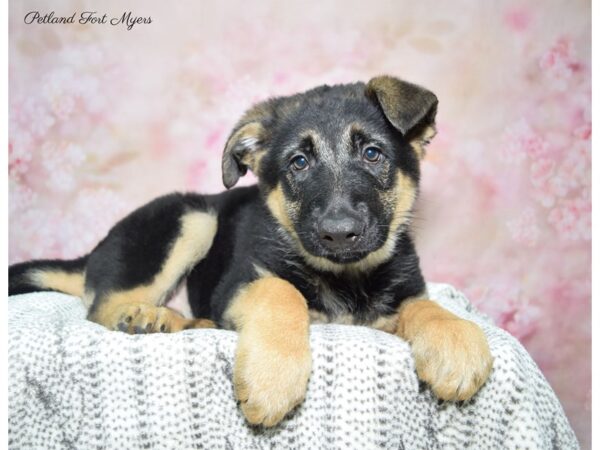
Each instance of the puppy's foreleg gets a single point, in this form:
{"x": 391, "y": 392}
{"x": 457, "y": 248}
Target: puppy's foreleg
{"x": 451, "y": 354}
{"x": 273, "y": 359}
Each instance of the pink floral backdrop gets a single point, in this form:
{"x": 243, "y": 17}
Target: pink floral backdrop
{"x": 103, "y": 119}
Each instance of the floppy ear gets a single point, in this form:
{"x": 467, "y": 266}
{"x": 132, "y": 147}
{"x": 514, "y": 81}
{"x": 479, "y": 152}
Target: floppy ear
{"x": 247, "y": 143}
{"x": 411, "y": 109}
{"x": 242, "y": 151}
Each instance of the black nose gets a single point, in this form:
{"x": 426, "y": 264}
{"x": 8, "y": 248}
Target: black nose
{"x": 340, "y": 233}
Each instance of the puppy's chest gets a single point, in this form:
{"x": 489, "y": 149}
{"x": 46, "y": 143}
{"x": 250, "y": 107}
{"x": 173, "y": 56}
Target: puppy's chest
{"x": 350, "y": 302}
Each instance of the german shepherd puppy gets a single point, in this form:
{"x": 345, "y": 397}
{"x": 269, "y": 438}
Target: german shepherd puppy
{"x": 324, "y": 237}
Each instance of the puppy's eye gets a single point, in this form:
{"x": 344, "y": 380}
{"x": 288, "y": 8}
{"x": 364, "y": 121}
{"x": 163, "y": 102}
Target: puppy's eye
{"x": 372, "y": 154}
{"x": 299, "y": 163}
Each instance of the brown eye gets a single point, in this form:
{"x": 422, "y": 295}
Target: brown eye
{"x": 372, "y": 154}
{"x": 300, "y": 163}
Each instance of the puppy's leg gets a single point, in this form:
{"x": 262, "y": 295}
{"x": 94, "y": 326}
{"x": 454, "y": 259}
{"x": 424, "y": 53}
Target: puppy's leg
{"x": 451, "y": 354}
{"x": 132, "y": 272}
{"x": 273, "y": 360}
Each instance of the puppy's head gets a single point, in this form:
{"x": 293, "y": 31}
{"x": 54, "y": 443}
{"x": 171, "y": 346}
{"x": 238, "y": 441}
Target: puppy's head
{"x": 339, "y": 166}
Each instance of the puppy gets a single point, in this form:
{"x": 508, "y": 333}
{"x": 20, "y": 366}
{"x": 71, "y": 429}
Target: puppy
{"x": 323, "y": 237}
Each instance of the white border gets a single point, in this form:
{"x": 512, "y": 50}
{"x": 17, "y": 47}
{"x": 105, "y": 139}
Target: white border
{"x": 4, "y": 226}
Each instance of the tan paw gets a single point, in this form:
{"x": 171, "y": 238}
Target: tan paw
{"x": 142, "y": 318}
{"x": 452, "y": 355}
{"x": 270, "y": 381}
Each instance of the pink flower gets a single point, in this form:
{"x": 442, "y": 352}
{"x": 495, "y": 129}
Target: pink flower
{"x": 21, "y": 197}
{"x": 19, "y": 156}
{"x": 60, "y": 163}
{"x": 555, "y": 181}
{"x": 576, "y": 165}
{"x": 522, "y": 141}
{"x": 559, "y": 185}
{"x": 584, "y": 131}
{"x": 544, "y": 195}
{"x": 36, "y": 117}
{"x": 572, "y": 219}
{"x": 524, "y": 229}
{"x": 519, "y": 320}
{"x": 89, "y": 217}
{"x": 509, "y": 308}
{"x": 559, "y": 63}
{"x": 550, "y": 189}
{"x": 37, "y": 227}
{"x": 541, "y": 170}
{"x": 57, "y": 91}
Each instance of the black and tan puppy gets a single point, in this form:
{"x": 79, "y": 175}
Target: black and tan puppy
{"x": 323, "y": 237}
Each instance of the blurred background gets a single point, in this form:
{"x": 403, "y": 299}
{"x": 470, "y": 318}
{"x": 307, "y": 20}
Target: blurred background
{"x": 103, "y": 119}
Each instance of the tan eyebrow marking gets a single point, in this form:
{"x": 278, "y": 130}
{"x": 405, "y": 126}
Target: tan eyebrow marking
{"x": 356, "y": 127}
{"x": 318, "y": 142}
{"x": 351, "y": 129}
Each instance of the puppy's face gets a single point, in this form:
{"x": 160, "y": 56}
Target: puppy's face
{"x": 339, "y": 165}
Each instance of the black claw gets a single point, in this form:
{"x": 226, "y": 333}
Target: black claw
{"x": 139, "y": 330}
{"x": 122, "y": 326}
{"x": 163, "y": 328}
{"x": 148, "y": 327}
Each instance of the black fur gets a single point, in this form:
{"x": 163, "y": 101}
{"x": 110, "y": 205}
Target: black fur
{"x": 18, "y": 282}
{"x": 338, "y": 183}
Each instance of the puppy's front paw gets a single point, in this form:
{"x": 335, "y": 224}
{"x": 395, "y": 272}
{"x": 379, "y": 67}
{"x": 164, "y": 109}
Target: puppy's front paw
{"x": 452, "y": 355}
{"x": 269, "y": 381}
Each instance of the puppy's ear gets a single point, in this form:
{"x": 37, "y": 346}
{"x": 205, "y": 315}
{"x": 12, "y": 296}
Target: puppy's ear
{"x": 247, "y": 143}
{"x": 411, "y": 109}
{"x": 242, "y": 151}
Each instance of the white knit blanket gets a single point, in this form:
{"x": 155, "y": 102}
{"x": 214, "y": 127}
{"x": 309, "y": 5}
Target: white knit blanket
{"x": 75, "y": 385}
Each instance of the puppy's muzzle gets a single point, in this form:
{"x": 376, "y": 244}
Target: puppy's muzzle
{"x": 340, "y": 230}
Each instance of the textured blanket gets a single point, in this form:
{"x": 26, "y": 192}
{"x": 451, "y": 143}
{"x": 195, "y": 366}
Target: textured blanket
{"x": 75, "y": 385}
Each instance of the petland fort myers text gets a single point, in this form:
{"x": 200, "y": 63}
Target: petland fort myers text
{"x": 127, "y": 19}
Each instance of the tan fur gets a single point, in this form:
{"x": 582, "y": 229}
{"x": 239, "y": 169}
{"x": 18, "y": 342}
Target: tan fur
{"x": 357, "y": 127}
{"x": 280, "y": 209}
{"x": 422, "y": 140}
{"x": 401, "y": 199}
{"x": 273, "y": 360}
{"x": 253, "y": 159}
{"x": 317, "y": 316}
{"x": 344, "y": 319}
{"x": 245, "y": 147}
{"x": 350, "y": 130}
{"x": 451, "y": 354}
{"x": 389, "y": 323}
{"x": 253, "y": 132}
{"x": 123, "y": 312}
{"x": 319, "y": 144}
{"x": 262, "y": 272}
{"x": 197, "y": 232}
{"x": 88, "y": 298}
{"x": 69, "y": 283}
